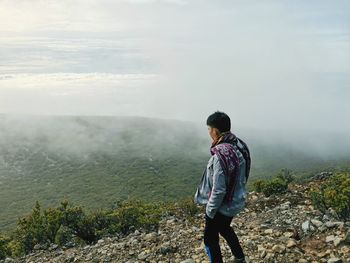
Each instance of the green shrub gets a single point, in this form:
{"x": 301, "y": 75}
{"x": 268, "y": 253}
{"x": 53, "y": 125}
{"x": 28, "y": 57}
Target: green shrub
{"x": 15, "y": 247}
{"x": 333, "y": 193}
{"x": 276, "y": 185}
{"x": 69, "y": 223}
{"x": 286, "y": 175}
{"x": 105, "y": 222}
{"x": 30, "y": 231}
{"x": 53, "y": 225}
{"x": 135, "y": 213}
{"x": 81, "y": 224}
{"x": 259, "y": 185}
{"x": 184, "y": 208}
{"x": 4, "y": 246}
{"x": 63, "y": 235}
{"x": 52, "y": 221}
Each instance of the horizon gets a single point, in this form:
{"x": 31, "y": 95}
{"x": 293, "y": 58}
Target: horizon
{"x": 197, "y": 122}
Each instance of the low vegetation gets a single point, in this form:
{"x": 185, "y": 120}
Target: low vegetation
{"x": 334, "y": 194}
{"x": 276, "y": 185}
{"x": 70, "y": 224}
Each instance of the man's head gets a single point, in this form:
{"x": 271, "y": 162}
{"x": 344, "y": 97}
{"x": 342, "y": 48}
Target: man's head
{"x": 217, "y": 123}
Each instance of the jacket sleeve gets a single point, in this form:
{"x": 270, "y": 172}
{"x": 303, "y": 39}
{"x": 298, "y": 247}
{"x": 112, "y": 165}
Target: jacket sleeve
{"x": 218, "y": 190}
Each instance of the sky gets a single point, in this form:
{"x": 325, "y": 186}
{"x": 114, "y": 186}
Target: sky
{"x": 267, "y": 64}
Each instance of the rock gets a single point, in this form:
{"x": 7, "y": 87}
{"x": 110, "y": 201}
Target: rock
{"x": 305, "y": 226}
{"x": 345, "y": 250}
{"x": 288, "y": 234}
{"x": 291, "y": 243}
{"x": 120, "y": 245}
{"x": 331, "y": 224}
{"x": 151, "y": 236}
{"x": 288, "y": 221}
{"x": 263, "y": 254}
{"x": 195, "y": 229}
{"x": 330, "y": 238}
{"x": 165, "y": 248}
{"x": 271, "y": 230}
{"x": 170, "y": 221}
{"x": 316, "y": 222}
{"x": 268, "y": 231}
{"x": 334, "y": 260}
{"x": 321, "y": 176}
{"x": 70, "y": 258}
{"x": 296, "y": 234}
{"x": 322, "y": 254}
{"x": 325, "y": 217}
{"x": 69, "y": 244}
{"x": 278, "y": 248}
{"x": 188, "y": 261}
{"x": 277, "y": 233}
{"x": 133, "y": 241}
{"x": 268, "y": 221}
{"x": 254, "y": 197}
{"x": 53, "y": 247}
{"x": 260, "y": 248}
{"x": 143, "y": 255}
{"x": 337, "y": 240}
{"x": 347, "y": 237}
{"x": 37, "y": 247}
{"x": 285, "y": 206}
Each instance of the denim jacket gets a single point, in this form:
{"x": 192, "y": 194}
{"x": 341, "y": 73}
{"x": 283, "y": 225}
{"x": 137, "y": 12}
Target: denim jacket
{"x": 214, "y": 181}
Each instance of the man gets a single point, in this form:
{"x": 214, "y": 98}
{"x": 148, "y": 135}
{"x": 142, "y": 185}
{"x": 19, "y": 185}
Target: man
{"x": 222, "y": 187}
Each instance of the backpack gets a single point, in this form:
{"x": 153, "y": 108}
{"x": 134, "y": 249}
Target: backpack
{"x": 246, "y": 154}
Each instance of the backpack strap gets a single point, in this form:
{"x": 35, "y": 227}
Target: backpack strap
{"x": 246, "y": 154}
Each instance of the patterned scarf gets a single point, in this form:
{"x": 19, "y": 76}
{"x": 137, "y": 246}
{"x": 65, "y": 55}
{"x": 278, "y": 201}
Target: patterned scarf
{"x": 223, "y": 148}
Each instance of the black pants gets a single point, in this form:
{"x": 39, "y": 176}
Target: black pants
{"x": 220, "y": 224}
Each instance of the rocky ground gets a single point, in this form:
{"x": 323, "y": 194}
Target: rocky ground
{"x": 284, "y": 228}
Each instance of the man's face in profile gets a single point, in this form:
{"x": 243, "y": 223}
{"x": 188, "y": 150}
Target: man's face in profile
{"x": 213, "y": 132}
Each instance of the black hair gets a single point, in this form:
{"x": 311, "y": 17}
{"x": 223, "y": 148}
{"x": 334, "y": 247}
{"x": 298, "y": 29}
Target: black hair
{"x": 219, "y": 120}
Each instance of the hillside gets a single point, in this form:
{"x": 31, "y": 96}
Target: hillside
{"x": 95, "y": 161}
{"x": 276, "y": 229}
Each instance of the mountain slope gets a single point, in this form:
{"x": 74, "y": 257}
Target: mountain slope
{"x": 94, "y": 160}
{"x": 280, "y": 229}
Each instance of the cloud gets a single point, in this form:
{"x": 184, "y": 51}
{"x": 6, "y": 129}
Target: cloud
{"x": 269, "y": 64}
{"x": 178, "y": 2}
{"x": 258, "y": 64}
{"x": 72, "y": 54}
{"x": 81, "y": 93}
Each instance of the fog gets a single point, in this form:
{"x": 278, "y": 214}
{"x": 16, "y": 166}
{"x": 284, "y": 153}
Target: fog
{"x": 83, "y": 136}
{"x": 272, "y": 65}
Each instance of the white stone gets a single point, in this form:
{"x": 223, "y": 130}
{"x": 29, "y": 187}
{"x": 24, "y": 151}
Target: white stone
{"x": 305, "y": 225}
{"x": 334, "y": 260}
{"x": 330, "y": 238}
{"x": 316, "y": 222}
